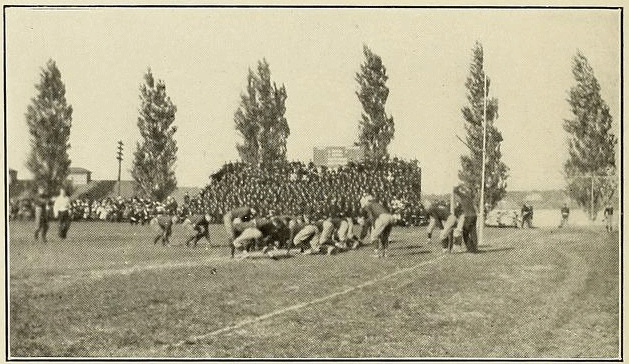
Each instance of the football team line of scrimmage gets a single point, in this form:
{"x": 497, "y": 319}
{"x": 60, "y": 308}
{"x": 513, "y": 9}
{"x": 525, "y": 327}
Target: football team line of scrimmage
{"x": 334, "y": 233}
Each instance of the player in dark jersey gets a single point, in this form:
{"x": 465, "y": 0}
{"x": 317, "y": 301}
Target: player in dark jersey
{"x": 527, "y": 215}
{"x": 466, "y": 219}
{"x": 199, "y": 227}
{"x": 609, "y": 215}
{"x": 275, "y": 235}
{"x": 461, "y": 224}
{"x": 565, "y": 213}
{"x": 162, "y": 223}
{"x": 438, "y": 213}
{"x": 41, "y": 214}
{"x": 282, "y": 233}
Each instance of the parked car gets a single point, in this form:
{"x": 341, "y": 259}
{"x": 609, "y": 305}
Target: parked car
{"x": 502, "y": 218}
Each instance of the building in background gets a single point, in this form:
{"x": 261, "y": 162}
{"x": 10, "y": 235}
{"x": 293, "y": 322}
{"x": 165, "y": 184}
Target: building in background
{"x": 18, "y": 188}
{"x": 337, "y": 156}
{"x": 83, "y": 187}
{"x": 12, "y": 176}
{"x": 79, "y": 176}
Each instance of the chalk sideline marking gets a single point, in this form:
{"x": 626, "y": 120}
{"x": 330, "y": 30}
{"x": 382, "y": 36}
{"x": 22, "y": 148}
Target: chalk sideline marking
{"x": 195, "y": 339}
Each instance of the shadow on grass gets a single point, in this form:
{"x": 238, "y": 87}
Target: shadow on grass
{"x": 407, "y": 247}
{"x": 483, "y": 251}
{"x": 413, "y": 253}
{"x": 260, "y": 255}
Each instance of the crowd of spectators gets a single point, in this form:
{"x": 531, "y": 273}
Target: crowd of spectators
{"x": 288, "y": 188}
{"x": 134, "y": 210}
{"x": 296, "y": 188}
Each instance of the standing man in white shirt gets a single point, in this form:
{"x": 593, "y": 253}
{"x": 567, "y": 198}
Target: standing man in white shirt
{"x": 61, "y": 209}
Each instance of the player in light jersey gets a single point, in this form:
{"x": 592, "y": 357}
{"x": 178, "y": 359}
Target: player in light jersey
{"x": 163, "y": 224}
{"x": 235, "y": 216}
{"x": 381, "y": 222}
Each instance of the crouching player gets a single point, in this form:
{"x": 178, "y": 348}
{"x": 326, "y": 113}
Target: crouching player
{"x": 325, "y": 242}
{"x": 462, "y": 224}
{"x": 198, "y": 227}
{"x": 256, "y": 232}
{"x": 303, "y": 234}
{"x": 278, "y": 235}
{"x": 342, "y": 228}
{"x": 309, "y": 239}
{"x": 438, "y": 213}
{"x": 281, "y": 235}
{"x": 163, "y": 224}
{"x": 236, "y": 216}
{"x": 381, "y": 222}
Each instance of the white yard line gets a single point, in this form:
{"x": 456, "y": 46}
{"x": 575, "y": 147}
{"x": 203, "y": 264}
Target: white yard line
{"x": 304, "y": 304}
{"x": 194, "y": 339}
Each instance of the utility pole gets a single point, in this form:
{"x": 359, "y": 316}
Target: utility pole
{"x": 481, "y": 208}
{"x": 592, "y": 199}
{"x": 119, "y": 158}
{"x": 592, "y": 177}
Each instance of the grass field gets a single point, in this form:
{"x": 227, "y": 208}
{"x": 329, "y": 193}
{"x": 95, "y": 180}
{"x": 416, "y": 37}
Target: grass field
{"x": 107, "y": 291}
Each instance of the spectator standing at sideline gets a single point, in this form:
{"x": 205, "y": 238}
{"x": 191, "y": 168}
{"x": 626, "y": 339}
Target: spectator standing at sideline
{"x": 527, "y": 215}
{"x": 41, "y": 214}
{"x": 609, "y": 214}
{"x": 61, "y": 209}
{"x": 565, "y": 213}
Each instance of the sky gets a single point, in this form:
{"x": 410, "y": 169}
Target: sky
{"x": 203, "y": 56}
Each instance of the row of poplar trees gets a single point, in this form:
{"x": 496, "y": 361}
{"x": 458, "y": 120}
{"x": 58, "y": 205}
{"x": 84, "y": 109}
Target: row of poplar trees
{"x": 49, "y": 120}
{"x": 590, "y": 170}
{"x": 261, "y": 123}
{"x": 263, "y": 128}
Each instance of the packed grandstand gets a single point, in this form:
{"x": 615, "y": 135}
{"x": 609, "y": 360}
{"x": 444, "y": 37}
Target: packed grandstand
{"x": 289, "y": 188}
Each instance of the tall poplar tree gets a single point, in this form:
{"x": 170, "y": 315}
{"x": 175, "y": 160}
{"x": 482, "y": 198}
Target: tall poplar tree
{"x": 376, "y": 129}
{"x": 471, "y": 165}
{"x": 49, "y": 119}
{"x": 591, "y": 143}
{"x": 155, "y": 156}
{"x": 260, "y": 119}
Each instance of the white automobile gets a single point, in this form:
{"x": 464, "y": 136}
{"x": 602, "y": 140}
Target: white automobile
{"x": 503, "y": 218}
